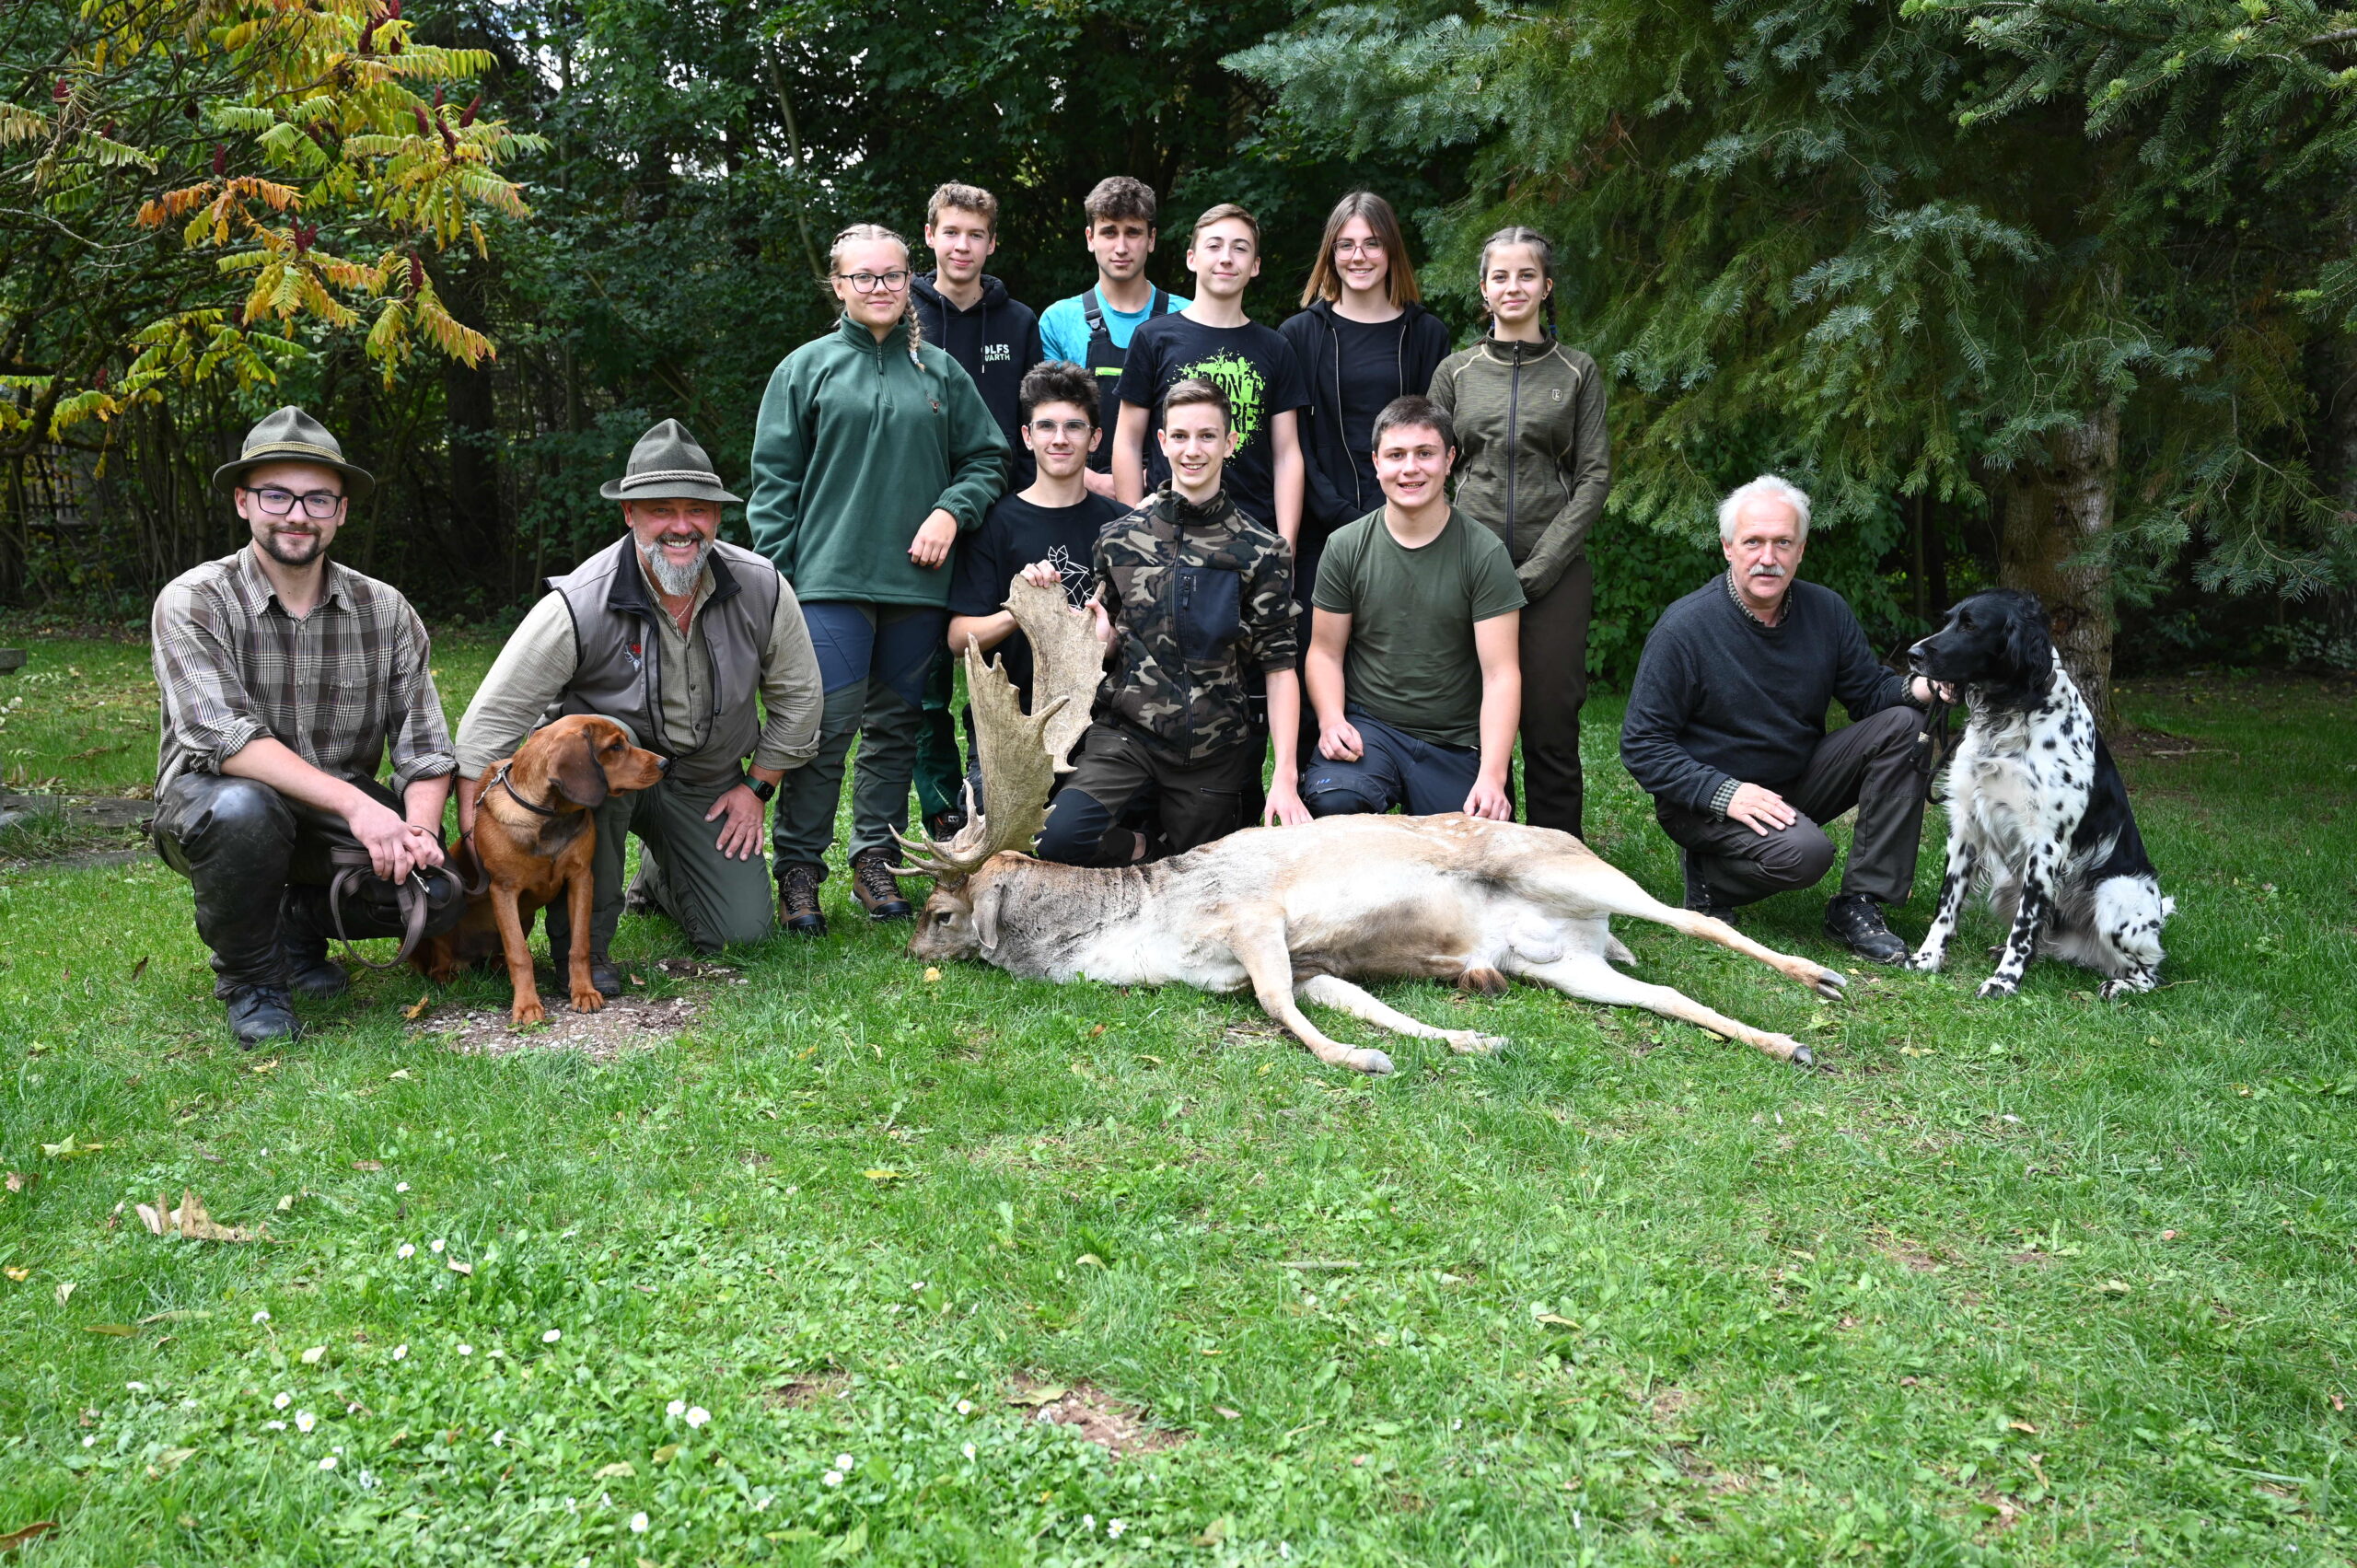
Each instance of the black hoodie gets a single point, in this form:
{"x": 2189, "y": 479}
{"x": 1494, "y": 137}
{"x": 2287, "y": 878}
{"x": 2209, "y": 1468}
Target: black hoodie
{"x": 1337, "y": 494}
{"x": 998, "y": 342}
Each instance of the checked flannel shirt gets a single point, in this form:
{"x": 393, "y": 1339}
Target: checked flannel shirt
{"x": 334, "y": 686}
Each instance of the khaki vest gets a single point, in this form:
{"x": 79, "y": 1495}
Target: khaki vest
{"x": 617, "y": 670}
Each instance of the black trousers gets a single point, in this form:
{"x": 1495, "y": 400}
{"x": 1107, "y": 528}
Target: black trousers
{"x": 260, "y": 864}
{"x": 1394, "y": 769}
{"x": 1554, "y": 687}
{"x": 1193, "y": 805}
{"x": 1871, "y": 766}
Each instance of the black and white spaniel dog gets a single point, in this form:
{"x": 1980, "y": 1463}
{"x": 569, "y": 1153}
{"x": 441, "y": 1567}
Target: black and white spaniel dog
{"x": 2038, "y": 811}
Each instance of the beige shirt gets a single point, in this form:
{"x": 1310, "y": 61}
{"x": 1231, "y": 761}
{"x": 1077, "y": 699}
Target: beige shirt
{"x": 533, "y": 670}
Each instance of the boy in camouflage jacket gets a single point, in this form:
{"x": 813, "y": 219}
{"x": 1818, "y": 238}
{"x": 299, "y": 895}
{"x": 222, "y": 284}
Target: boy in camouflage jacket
{"x": 1201, "y": 599}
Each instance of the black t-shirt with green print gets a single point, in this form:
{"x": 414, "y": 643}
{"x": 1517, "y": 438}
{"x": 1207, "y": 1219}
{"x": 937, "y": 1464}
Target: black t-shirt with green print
{"x": 1252, "y": 365}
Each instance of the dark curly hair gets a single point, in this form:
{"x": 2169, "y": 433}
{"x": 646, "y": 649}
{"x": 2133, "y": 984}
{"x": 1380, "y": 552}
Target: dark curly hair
{"x": 1056, "y": 381}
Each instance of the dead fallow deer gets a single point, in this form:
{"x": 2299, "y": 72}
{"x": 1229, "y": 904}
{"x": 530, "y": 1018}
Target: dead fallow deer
{"x": 1300, "y": 913}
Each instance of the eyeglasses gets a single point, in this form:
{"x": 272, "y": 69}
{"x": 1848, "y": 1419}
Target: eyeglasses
{"x": 1358, "y": 246}
{"x": 892, "y": 281}
{"x": 1073, "y": 427}
{"x": 277, "y": 502}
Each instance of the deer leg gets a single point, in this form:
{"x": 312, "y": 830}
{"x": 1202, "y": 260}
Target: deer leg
{"x": 1333, "y": 991}
{"x": 1592, "y": 979}
{"x": 1594, "y": 887}
{"x": 1258, "y": 940}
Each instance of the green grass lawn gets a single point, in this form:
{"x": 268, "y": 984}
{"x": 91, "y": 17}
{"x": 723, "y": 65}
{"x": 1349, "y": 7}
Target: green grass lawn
{"x": 2042, "y": 1281}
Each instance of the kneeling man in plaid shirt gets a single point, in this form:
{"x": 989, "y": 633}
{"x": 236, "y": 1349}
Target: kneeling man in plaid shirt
{"x": 284, "y": 677}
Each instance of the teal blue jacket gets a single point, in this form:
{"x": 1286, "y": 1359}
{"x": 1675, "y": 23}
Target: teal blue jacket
{"x": 858, "y": 440}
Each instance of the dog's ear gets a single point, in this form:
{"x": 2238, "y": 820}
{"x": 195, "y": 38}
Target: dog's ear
{"x": 2029, "y": 647}
{"x": 578, "y": 775}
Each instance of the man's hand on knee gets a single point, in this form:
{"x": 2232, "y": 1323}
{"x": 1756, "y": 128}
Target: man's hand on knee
{"x": 1762, "y": 810}
{"x": 740, "y": 835}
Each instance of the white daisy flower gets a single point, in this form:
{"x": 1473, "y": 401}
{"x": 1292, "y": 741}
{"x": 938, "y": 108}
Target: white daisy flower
{"x": 833, "y": 1478}
{"x": 401, "y": 1186}
{"x": 281, "y": 1402}
{"x": 552, "y": 1336}
{"x": 466, "y": 1350}
{"x": 965, "y": 1407}
{"x": 698, "y": 1416}
{"x": 969, "y": 1450}
{"x": 405, "y": 1251}
{"x": 499, "y": 1439}
{"x": 436, "y": 1246}
{"x": 262, "y": 1316}
{"x": 401, "y": 1353}
{"x": 676, "y": 1408}
{"x": 266, "y": 1426}
{"x": 638, "y": 1523}
{"x": 1088, "y": 1524}
{"x": 328, "y": 1463}
{"x": 844, "y": 1461}
{"x": 1113, "y": 1528}
{"x": 305, "y": 1421}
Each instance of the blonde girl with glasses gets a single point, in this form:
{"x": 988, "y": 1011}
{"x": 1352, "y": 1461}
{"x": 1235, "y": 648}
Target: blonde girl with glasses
{"x": 872, "y": 451}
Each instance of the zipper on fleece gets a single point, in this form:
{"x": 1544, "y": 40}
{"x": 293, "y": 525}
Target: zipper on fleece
{"x": 1513, "y": 452}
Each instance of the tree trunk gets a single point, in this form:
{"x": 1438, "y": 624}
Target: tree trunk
{"x": 2053, "y": 513}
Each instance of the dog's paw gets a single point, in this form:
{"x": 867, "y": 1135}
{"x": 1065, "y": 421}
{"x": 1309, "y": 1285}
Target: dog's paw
{"x": 586, "y": 999}
{"x": 527, "y": 1010}
{"x": 1925, "y": 961}
{"x": 1998, "y": 986}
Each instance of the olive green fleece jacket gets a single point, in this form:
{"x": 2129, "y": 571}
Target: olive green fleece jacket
{"x": 856, "y": 441}
{"x": 1533, "y": 460}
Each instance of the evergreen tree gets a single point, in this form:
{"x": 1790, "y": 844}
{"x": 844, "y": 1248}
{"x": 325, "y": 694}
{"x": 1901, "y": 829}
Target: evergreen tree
{"x": 2007, "y": 253}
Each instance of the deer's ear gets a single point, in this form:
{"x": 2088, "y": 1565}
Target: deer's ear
{"x": 986, "y": 906}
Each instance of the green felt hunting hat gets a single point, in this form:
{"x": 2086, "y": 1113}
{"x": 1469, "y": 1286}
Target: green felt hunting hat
{"x": 668, "y": 465}
{"x": 290, "y": 436}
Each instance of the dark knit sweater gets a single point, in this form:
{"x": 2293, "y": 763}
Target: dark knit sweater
{"x": 1719, "y": 700}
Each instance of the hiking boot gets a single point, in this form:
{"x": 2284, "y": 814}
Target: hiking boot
{"x": 797, "y": 901}
{"x": 1855, "y": 921}
{"x": 872, "y": 885}
{"x": 259, "y": 1014}
{"x": 1701, "y": 898}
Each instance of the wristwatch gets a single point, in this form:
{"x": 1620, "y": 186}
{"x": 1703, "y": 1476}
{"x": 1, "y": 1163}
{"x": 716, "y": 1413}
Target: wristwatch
{"x": 761, "y": 792}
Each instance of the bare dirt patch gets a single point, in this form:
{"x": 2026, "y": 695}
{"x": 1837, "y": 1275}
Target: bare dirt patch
{"x": 806, "y": 1392}
{"x": 1120, "y": 1429}
{"x": 625, "y": 1023}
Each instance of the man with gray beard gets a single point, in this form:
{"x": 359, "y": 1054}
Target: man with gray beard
{"x": 675, "y": 637}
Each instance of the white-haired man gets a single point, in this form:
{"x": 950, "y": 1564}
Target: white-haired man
{"x": 1726, "y": 730}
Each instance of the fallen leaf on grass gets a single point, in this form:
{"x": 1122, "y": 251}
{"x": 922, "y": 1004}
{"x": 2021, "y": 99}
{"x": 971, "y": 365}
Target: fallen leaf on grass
{"x": 2021, "y": 1426}
{"x": 119, "y": 1331}
{"x": 190, "y": 1220}
{"x": 139, "y": 969}
{"x": 416, "y": 1010}
{"x": 1227, "y": 1414}
{"x": 18, "y": 1180}
{"x": 398, "y": 1073}
{"x": 16, "y": 1538}
{"x": 882, "y": 1174}
{"x": 311, "y": 1357}
{"x": 260, "y": 1067}
{"x": 666, "y": 1453}
{"x": 69, "y": 1149}
{"x": 287, "y": 1203}
{"x": 20, "y": 1275}
{"x": 1046, "y": 1394}
{"x": 931, "y": 975}
{"x": 618, "y": 1471}
{"x": 367, "y": 1164}
{"x": 1558, "y": 1319}
{"x": 177, "y": 1315}
{"x": 169, "y": 1460}
{"x": 459, "y": 1268}
{"x": 63, "y": 1290}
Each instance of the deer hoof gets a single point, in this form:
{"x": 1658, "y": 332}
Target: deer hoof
{"x": 1803, "y": 1056}
{"x": 1370, "y": 1062}
{"x": 1831, "y": 985}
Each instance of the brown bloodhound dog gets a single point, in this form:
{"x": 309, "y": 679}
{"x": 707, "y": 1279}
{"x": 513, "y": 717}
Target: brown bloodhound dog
{"x": 534, "y": 840}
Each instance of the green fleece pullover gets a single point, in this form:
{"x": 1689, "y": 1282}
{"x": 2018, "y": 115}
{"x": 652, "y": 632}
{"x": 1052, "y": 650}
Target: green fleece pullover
{"x": 856, "y": 442}
{"x": 1533, "y": 463}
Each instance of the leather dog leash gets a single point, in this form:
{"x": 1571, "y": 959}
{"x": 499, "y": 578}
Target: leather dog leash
{"x": 352, "y": 865}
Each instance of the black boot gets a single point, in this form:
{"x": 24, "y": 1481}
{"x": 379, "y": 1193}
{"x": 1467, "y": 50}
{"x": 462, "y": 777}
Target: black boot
{"x": 606, "y": 976}
{"x": 1855, "y": 921}
{"x": 259, "y": 1014}
{"x": 303, "y": 938}
{"x": 1701, "y": 898}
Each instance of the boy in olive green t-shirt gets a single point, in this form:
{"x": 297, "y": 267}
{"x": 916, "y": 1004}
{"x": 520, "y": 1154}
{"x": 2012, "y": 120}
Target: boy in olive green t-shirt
{"x": 1414, "y": 667}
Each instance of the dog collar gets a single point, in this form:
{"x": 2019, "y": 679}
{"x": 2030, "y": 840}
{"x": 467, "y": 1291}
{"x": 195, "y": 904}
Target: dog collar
{"x": 499, "y": 780}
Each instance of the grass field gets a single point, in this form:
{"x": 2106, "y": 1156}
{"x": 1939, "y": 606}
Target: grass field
{"x": 2043, "y": 1282}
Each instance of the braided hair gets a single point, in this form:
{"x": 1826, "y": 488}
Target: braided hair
{"x": 1540, "y": 247}
{"x": 876, "y": 234}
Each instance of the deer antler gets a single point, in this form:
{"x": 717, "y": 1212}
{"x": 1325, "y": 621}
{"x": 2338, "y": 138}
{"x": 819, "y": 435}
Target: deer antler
{"x": 1021, "y": 753}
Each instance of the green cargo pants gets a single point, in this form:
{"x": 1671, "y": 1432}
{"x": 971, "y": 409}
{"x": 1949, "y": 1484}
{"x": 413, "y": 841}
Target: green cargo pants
{"x": 717, "y": 902}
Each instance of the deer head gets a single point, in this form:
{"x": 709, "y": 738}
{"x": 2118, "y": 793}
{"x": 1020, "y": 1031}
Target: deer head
{"x": 1021, "y": 755}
